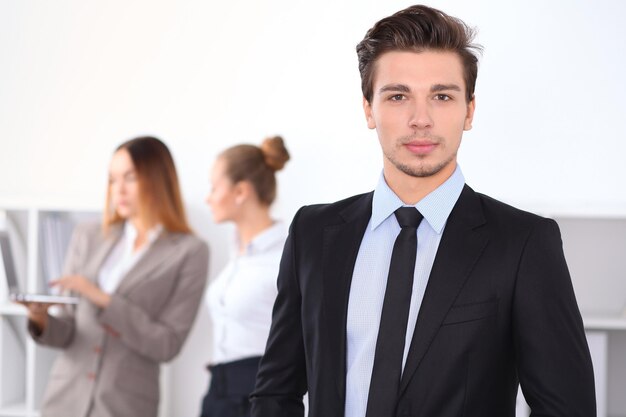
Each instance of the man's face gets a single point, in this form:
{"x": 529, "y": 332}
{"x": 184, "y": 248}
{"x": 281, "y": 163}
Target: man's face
{"x": 419, "y": 111}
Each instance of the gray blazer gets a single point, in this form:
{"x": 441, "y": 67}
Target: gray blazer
{"x": 109, "y": 365}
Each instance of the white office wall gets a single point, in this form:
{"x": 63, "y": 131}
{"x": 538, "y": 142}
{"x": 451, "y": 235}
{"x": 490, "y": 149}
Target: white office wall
{"x": 79, "y": 77}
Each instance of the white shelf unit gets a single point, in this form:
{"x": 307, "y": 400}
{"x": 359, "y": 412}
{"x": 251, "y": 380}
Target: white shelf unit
{"x": 24, "y": 366}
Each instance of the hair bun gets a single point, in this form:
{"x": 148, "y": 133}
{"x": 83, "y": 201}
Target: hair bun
{"x": 275, "y": 152}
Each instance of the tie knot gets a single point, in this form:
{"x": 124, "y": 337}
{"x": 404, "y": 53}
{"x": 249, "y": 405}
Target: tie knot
{"x": 408, "y": 217}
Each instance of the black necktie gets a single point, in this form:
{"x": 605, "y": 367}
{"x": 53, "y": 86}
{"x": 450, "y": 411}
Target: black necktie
{"x": 387, "y": 369}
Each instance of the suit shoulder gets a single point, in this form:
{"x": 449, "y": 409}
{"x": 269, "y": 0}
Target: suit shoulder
{"x": 493, "y": 206}
{"x": 330, "y": 211}
{"x": 89, "y": 228}
{"x": 508, "y": 216}
{"x": 89, "y": 232}
{"x": 191, "y": 245}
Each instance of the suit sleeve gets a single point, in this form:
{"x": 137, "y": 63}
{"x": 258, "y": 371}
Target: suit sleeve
{"x": 554, "y": 364}
{"x": 161, "y": 338}
{"x": 59, "y": 331}
{"x": 281, "y": 380}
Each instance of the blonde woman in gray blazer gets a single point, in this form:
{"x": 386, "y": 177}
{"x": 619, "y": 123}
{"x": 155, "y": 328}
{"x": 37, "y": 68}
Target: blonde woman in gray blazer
{"x": 140, "y": 278}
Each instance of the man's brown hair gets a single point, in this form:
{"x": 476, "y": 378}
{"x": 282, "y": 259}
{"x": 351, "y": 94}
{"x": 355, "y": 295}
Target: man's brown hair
{"x": 418, "y": 28}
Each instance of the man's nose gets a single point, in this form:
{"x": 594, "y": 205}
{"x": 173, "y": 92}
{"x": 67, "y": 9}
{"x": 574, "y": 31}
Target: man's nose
{"x": 421, "y": 115}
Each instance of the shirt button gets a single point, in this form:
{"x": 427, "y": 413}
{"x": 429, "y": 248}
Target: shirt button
{"x": 91, "y": 376}
{"x": 97, "y": 350}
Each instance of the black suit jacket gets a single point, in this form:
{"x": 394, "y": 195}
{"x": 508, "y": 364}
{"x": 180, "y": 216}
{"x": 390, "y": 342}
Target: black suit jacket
{"x": 499, "y": 308}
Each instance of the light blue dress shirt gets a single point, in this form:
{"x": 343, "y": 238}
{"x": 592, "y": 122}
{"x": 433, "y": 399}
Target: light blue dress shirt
{"x": 369, "y": 278}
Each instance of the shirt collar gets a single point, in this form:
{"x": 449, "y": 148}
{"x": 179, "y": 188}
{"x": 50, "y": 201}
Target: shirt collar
{"x": 269, "y": 237}
{"x": 435, "y": 207}
{"x": 130, "y": 233}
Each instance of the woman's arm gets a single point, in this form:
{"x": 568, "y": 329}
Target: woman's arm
{"x": 161, "y": 338}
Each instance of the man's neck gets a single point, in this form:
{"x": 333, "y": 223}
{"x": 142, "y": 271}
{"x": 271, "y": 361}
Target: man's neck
{"x": 412, "y": 189}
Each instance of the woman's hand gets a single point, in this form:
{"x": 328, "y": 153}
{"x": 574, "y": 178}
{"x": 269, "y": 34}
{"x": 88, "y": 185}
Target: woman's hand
{"x": 85, "y": 288}
{"x": 37, "y": 314}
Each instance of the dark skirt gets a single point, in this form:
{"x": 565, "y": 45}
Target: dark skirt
{"x": 231, "y": 385}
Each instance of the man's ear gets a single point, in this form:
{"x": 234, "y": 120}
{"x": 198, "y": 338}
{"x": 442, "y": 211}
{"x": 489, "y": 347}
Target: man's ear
{"x": 369, "y": 117}
{"x": 469, "y": 117}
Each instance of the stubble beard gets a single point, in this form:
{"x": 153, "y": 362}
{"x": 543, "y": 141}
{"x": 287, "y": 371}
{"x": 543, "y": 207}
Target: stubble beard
{"x": 420, "y": 169}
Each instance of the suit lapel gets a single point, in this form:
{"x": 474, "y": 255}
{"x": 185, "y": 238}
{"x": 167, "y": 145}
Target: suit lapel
{"x": 159, "y": 252}
{"x": 341, "y": 246}
{"x": 102, "y": 251}
{"x": 461, "y": 246}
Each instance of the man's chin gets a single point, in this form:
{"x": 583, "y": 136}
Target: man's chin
{"x": 421, "y": 171}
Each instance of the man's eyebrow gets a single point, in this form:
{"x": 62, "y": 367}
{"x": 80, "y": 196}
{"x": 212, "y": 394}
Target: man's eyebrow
{"x": 444, "y": 87}
{"x": 400, "y": 88}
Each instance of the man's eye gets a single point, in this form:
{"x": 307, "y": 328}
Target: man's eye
{"x": 442, "y": 97}
{"x": 397, "y": 97}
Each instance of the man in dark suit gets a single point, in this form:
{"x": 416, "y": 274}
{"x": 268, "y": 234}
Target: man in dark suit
{"x": 423, "y": 298}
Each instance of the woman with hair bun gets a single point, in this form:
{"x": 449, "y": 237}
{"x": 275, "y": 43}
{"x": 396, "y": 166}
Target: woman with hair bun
{"x": 241, "y": 298}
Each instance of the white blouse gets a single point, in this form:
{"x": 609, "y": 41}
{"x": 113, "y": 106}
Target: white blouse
{"x": 241, "y": 298}
{"x": 123, "y": 257}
